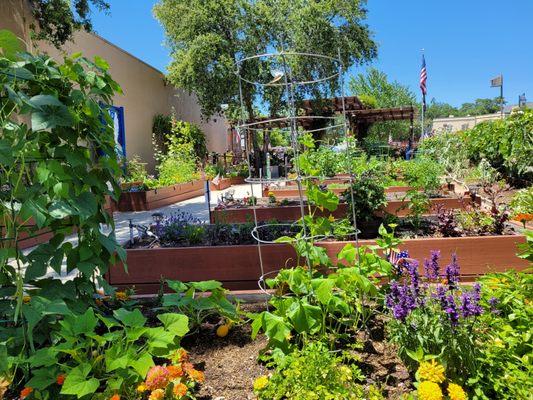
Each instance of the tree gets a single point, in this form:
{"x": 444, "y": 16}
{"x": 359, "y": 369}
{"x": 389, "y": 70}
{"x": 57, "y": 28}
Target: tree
{"x": 375, "y": 85}
{"x": 480, "y": 107}
{"x": 58, "y": 19}
{"x": 208, "y": 37}
{"x": 437, "y": 109}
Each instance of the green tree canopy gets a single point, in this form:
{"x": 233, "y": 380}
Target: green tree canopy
{"x": 58, "y": 19}
{"x": 478, "y": 107}
{"x": 375, "y": 88}
{"x": 208, "y": 37}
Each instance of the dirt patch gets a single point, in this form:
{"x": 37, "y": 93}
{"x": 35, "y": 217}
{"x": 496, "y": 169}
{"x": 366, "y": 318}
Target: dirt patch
{"x": 230, "y": 364}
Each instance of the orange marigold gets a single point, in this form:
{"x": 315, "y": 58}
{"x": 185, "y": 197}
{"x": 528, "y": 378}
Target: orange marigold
{"x": 180, "y": 390}
{"x": 195, "y": 375}
{"x": 523, "y": 217}
{"x": 158, "y": 394}
{"x": 60, "y": 379}
{"x": 179, "y": 355}
{"x": 123, "y": 296}
{"x": 25, "y": 392}
{"x": 187, "y": 366}
{"x": 115, "y": 397}
{"x": 175, "y": 371}
{"x": 157, "y": 378}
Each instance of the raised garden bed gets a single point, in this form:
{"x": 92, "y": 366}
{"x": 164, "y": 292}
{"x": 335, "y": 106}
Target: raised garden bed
{"x": 238, "y": 267}
{"x": 293, "y": 212}
{"x": 225, "y": 183}
{"x": 160, "y": 197}
{"x": 292, "y": 191}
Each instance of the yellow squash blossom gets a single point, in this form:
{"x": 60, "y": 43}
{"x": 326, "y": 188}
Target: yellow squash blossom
{"x": 431, "y": 371}
{"x": 429, "y": 391}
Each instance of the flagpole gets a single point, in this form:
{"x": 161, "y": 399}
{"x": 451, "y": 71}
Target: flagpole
{"x": 501, "y": 97}
{"x": 423, "y": 103}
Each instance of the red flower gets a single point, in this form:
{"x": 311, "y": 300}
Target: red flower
{"x": 25, "y": 392}
{"x": 60, "y": 379}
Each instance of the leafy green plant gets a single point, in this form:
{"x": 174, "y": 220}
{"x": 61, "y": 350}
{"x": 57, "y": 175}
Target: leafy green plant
{"x": 423, "y": 174}
{"x": 368, "y": 197}
{"x": 99, "y": 355}
{"x": 505, "y": 346}
{"x": 135, "y": 170}
{"x": 418, "y": 204}
{"x": 522, "y": 202}
{"x": 57, "y": 158}
{"x": 200, "y": 301}
{"x": 314, "y": 373}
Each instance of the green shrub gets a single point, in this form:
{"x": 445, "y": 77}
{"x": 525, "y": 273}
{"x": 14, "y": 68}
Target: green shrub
{"x": 135, "y": 170}
{"x": 314, "y": 373}
{"x": 505, "y": 362}
{"x": 368, "y": 196}
{"x": 423, "y": 173}
{"x": 522, "y": 202}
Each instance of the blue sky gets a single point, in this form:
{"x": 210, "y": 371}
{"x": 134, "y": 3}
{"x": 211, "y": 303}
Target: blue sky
{"x": 466, "y": 43}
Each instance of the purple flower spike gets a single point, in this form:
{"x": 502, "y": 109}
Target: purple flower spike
{"x": 452, "y": 273}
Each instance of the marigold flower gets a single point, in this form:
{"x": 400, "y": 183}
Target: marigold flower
{"x": 115, "y": 397}
{"x": 431, "y": 371}
{"x": 60, "y": 379}
{"x": 157, "y": 394}
{"x": 180, "y": 390}
{"x": 260, "y": 383}
{"x": 523, "y": 217}
{"x": 26, "y": 299}
{"x": 142, "y": 388}
{"x": 195, "y": 375}
{"x": 157, "y": 378}
{"x": 123, "y": 296}
{"x": 456, "y": 392}
{"x": 187, "y": 366}
{"x": 174, "y": 371}
{"x": 179, "y": 356}
{"x": 429, "y": 391}
{"x": 25, "y": 392}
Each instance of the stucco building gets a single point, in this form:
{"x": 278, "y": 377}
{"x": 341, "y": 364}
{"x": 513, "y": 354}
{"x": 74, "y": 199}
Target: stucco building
{"x": 146, "y": 92}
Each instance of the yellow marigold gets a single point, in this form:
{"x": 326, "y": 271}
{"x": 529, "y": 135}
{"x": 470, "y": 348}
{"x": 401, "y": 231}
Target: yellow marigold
{"x": 260, "y": 383}
{"x": 429, "y": 391}
{"x": 180, "y": 390}
{"x": 122, "y": 296}
{"x": 142, "y": 388}
{"x": 431, "y": 371}
{"x": 175, "y": 371}
{"x": 26, "y": 299}
{"x": 158, "y": 394}
{"x": 270, "y": 194}
{"x": 456, "y": 392}
{"x": 331, "y": 218}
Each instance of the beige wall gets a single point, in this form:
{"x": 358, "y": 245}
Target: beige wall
{"x": 455, "y": 124}
{"x": 145, "y": 91}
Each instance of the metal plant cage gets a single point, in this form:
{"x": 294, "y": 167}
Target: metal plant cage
{"x": 286, "y": 81}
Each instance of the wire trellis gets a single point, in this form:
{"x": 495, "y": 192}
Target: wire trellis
{"x": 290, "y": 123}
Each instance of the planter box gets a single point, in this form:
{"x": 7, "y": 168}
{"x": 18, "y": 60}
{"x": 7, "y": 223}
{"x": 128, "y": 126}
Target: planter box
{"x": 156, "y": 198}
{"x": 292, "y": 190}
{"x": 225, "y": 183}
{"x": 238, "y": 268}
{"x": 293, "y": 213}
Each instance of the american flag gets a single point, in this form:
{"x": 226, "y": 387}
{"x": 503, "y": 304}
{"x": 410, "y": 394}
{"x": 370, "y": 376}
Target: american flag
{"x": 423, "y": 79}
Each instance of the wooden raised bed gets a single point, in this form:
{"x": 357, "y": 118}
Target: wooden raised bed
{"x": 292, "y": 191}
{"x": 160, "y": 197}
{"x": 225, "y": 183}
{"x": 293, "y": 213}
{"x": 238, "y": 268}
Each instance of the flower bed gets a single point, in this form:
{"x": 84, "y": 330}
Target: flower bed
{"x": 160, "y": 197}
{"x": 238, "y": 267}
{"x": 293, "y": 212}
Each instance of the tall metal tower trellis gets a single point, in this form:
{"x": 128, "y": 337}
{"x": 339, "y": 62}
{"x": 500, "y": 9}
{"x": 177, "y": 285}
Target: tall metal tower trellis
{"x": 285, "y": 79}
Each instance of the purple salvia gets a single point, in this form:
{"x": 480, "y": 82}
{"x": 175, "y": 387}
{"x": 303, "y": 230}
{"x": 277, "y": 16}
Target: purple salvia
{"x": 452, "y": 273}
